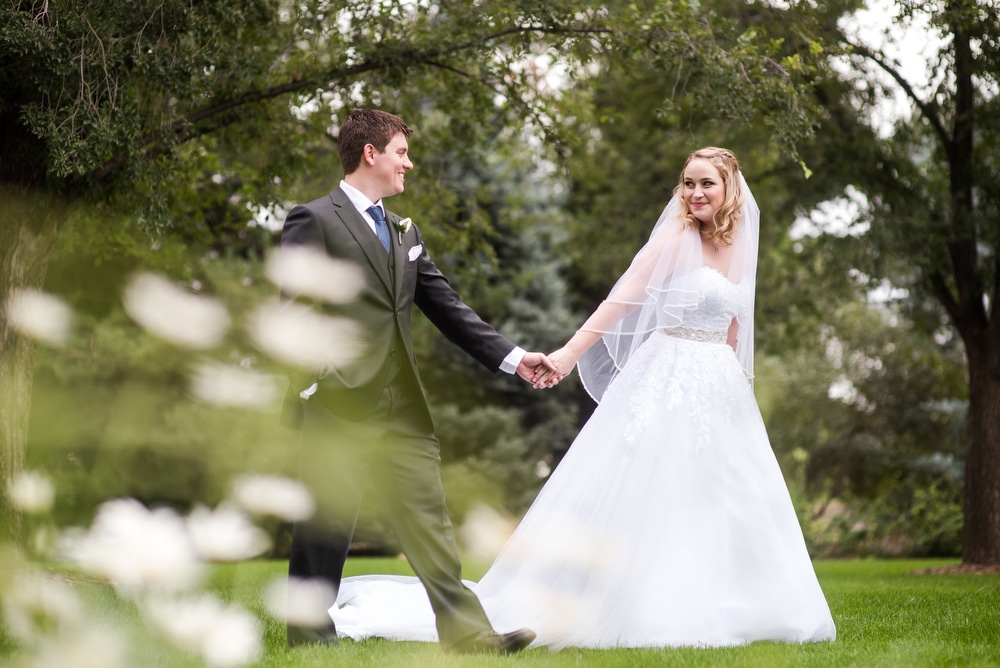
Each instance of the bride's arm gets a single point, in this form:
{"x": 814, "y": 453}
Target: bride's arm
{"x": 566, "y": 357}
{"x": 629, "y": 293}
{"x": 734, "y": 328}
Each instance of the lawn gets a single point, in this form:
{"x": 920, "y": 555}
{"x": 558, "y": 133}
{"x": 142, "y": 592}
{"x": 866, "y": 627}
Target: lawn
{"x": 886, "y": 615}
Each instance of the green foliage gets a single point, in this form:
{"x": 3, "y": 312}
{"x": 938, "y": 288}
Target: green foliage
{"x": 865, "y": 420}
{"x": 170, "y": 94}
{"x": 489, "y": 459}
{"x": 920, "y": 517}
{"x": 107, "y": 93}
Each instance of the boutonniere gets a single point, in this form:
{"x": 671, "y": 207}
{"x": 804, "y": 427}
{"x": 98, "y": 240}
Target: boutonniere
{"x": 402, "y": 226}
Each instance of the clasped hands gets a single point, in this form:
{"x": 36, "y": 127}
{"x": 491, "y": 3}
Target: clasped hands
{"x": 545, "y": 371}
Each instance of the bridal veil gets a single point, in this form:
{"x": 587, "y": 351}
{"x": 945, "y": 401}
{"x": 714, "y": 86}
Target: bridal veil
{"x": 657, "y": 292}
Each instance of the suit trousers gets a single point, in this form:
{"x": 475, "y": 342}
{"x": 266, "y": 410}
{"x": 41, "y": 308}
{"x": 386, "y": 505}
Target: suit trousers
{"x": 395, "y": 451}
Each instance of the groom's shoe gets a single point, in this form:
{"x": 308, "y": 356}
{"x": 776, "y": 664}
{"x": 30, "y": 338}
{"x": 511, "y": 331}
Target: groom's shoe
{"x": 301, "y": 635}
{"x": 491, "y": 642}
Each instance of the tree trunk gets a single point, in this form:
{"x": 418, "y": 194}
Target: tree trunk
{"x": 981, "y": 529}
{"x": 980, "y": 330}
{"x": 28, "y": 230}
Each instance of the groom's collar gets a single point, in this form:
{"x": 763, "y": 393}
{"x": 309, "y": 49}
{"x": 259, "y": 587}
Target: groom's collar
{"x": 359, "y": 199}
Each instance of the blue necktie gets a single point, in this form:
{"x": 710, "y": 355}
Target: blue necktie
{"x": 381, "y": 229}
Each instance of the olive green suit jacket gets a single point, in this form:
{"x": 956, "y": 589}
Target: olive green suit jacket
{"x": 393, "y": 285}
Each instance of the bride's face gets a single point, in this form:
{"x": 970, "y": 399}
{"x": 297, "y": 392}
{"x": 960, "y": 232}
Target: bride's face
{"x": 704, "y": 191}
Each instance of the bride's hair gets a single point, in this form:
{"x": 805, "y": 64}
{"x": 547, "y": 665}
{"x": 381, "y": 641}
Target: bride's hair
{"x": 727, "y": 217}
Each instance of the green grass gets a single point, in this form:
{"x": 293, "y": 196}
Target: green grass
{"x": 885, "y": 614}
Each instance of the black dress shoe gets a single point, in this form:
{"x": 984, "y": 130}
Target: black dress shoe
{"x": 488, "y": 642}
{"x": 300, "y": 635}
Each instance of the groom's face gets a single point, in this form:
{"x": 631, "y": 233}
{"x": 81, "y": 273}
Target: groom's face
{"x": 391, "y": 166}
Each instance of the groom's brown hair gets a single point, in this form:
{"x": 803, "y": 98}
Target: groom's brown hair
{"x": 363, "y": 127}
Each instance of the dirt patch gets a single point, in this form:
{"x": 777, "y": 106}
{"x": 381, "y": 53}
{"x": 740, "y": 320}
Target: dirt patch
{"x": 960, "y": 569}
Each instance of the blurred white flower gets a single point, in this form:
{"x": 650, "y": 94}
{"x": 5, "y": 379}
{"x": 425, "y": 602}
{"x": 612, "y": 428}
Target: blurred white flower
{"x": 224, "y": 385}
{"x": 40, "y": 316}
{"x": 300, "y": 601}
{"x": 31, "y": 492}
{"x": 173, "y": 314}
{"x": 485, "y": 531}
{"x": 224, "y": 635}
{"x": 273, "y": 495}
{"x": 297, "y": 335}
{"x": 92, "y": 647}
{"x": 300, "y": 270}
{"x": 36, "y": 605}
{"x": 225, "y": 534}
{"x": 133, "y": 546}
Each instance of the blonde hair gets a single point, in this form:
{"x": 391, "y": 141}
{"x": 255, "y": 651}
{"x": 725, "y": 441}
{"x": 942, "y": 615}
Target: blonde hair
{"x": 727, "y": 217}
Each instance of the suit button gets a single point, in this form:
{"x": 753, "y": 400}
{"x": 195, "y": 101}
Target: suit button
{"x": 392, "y": 353}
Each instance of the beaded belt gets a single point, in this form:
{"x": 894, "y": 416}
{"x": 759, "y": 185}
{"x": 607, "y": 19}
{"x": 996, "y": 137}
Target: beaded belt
{"x": 692, "y": 334}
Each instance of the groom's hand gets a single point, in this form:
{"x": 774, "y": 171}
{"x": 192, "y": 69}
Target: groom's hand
{"x": 534, "y": 366}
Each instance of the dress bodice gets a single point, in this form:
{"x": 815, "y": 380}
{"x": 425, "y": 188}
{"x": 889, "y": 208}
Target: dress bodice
{"x": 719, "y": 302}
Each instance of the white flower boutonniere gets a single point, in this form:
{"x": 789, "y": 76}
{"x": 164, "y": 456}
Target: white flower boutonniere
{"x": 402, "y": 226}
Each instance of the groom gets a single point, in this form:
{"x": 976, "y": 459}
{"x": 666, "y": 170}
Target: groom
{"x": 367, "y": 423}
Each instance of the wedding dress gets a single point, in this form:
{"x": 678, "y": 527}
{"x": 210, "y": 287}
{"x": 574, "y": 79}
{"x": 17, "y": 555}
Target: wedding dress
{"x": 667, "y": 523}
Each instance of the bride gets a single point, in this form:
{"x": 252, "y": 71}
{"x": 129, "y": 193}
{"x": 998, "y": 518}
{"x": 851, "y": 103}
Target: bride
{"x": 668, "y": 522}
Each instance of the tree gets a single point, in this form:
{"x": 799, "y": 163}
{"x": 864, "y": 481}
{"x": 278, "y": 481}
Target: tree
{"x": 932, "y": 190}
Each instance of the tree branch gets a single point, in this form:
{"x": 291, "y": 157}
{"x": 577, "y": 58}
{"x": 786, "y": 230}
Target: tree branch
{"x": 516, "y": 30}
{"x": 940, "y": 288}
{"x": 926, "y": 109}
{"x": 182, "y": 130}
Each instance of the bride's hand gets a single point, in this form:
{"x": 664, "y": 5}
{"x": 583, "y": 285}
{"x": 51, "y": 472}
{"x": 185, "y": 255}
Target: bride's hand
{"x": 564, "y": 360}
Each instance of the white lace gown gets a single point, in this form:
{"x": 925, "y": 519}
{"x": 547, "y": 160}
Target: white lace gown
{"x": 668, "y": 522}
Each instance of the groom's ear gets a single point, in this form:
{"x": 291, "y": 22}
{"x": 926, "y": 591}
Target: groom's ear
{"x": 368, "y": 154}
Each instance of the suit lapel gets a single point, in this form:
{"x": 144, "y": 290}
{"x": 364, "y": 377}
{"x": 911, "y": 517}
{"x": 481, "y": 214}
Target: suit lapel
{"x": 367, "y": 241}
{"x": 399, "y": 258}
